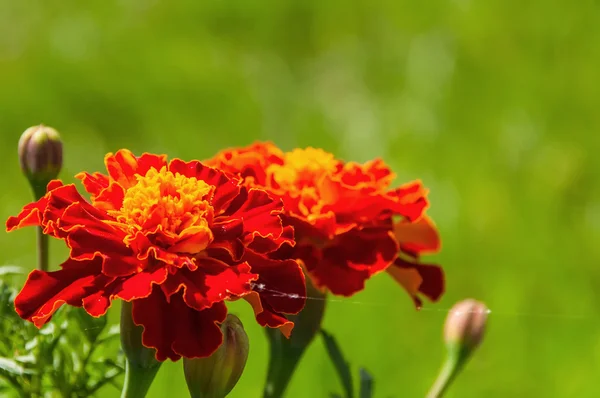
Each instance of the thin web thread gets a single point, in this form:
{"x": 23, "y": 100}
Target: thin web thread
{"x": 260, "y": 287}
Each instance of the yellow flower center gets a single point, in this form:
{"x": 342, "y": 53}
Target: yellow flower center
{"x": 172, "y": 204}
{"x": 300, "y": 176}
{"x": 303, "y": 168}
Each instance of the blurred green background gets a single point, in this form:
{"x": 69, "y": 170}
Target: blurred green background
{"x": 494, "y": 104}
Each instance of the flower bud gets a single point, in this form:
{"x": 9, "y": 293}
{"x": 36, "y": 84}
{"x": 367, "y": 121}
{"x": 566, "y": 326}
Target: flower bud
{"x": 40, "y": 154}
{"x": 131, "y": 341}
{"x": 216, "y": 375}
{"x": 465, "y": 326}
{"x": 463, "y": 333}
{"x": 141, "y": 366}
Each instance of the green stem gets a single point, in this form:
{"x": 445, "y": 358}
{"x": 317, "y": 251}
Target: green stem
{"x": 42, "y": 249}
{"x": 285, "y": 354}
{"x": 445, "y": 378}
{"x": 39, "y": 190}
{"x": 137, "y": 380}
{"x": 283, "y": 361}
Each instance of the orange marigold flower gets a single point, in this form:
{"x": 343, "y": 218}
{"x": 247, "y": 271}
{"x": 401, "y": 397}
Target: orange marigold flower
{"x": 176, "y": 238}
{"x": 344, "y": 217}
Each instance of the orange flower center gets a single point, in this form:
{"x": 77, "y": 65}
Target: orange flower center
{"x": 173, "y": 204}
{"x": 301, "y": 173}
{"x": 303, "y": 168}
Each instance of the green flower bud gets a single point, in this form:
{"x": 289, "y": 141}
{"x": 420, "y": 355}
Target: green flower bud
{"x": 141, "y": 366}
{"x": 131, "y": 341}
{"x": 40, "y": 154}
{"x": 216, "y": 375}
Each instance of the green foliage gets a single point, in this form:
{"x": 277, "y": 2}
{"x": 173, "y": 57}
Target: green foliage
{"x": 494, "y": 104}
{"x": 341, "y": 364}
{"x": 344, "y": 372}
{"x": 62, "y": 359}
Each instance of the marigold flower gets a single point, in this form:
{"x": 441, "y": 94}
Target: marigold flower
{"x": 176, "y": 238}
{"x": 344, "y": 215}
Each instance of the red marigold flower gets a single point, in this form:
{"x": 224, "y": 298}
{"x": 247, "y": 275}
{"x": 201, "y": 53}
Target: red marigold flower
{"x": 343, "y": 215}
{"x": 176, "y": 238}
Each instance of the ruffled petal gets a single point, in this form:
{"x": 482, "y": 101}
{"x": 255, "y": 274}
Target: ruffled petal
{"x": 362, "y": 205}
{"x": 93, "y": 183}
{"x": 263, "y": 230}
{"x": 213, "y": 282}
{"x": 352, "y": 259}
{"x": 33, "y": 213}
{"x": 266, "y": 316}
{"x": 132, "y": 288}
{"x": 418, "y": 279}
{"x": 226, "y": 188}
{"x": 419, "y": 237}
{"x": 45, "y": 292}
{"x": 176, "y": 330}
{"x": 250, "y": 162}
{"x": 123, "y": 166}
{"x": 110, "y": 198}
{"x": 280, "y": 283}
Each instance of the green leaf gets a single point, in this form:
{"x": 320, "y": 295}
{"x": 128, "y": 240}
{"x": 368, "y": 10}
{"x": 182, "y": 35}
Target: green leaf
{"x": 31, "y": 344}
{"x": 29, "y": 358}
{"x": 366, "y": 384}
{"x": 9, "y": 366}
{"x": 90, "y": 326}
{"x": 341, "y": 365}
{"x": 10, "y": 270}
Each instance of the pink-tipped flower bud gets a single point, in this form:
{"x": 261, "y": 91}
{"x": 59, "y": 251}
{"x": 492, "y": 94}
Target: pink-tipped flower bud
{"x": 216, "y": 375}
{"x": 40, "y": 154}
{"x": 465, "y": 326}
{"x": 463, "y": 332}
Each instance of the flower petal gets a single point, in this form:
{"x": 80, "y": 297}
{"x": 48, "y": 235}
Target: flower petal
{"x": 418, "y": 237}
{"x": 227, "y": 188}
{"x": 123, "y": 166}
{"x": 263, "y": 229}
{"x": 131, "y": 288}
{"x": 44, "y": 292}
{"x": 352, "y": 259}
{"x": 110, "y": 198}
{"x": 280, "y": 283}
{"x": 176, "y": 330}
{"x": 266, "y": 316}
{"x": 213, "y": 282}
{"x": 32, "y": 213}
{"x": 418, "y": 278}
{"x": 93, "y": 183}
{"x": 250, "y": 162}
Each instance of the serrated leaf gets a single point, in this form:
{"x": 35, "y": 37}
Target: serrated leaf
{"x": 31, "y": 344}
{"x": 114, "y": 330}
{"x": 91, "y": 327}
{"x": 48, "y": 329}
{"x": 10, "y": 270}
{"x": 29, "y": 358}
{"x": 366, "y": 384}
{"x": 341, "y": 365}
{"x": 12, "y": 367}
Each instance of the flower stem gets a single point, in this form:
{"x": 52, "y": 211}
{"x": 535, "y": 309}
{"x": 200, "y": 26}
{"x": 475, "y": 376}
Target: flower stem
{"x": 445, "y": 378}
{"x": 42, "y": 249}
{"x": 39, "y": 190}
{"x": 283, "y": 360}
{"x": 137, "y": 380}
{"x": 285, "y": 354}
